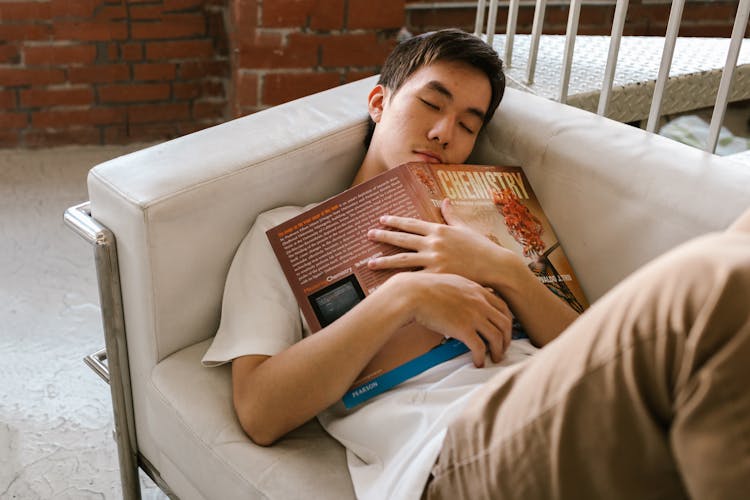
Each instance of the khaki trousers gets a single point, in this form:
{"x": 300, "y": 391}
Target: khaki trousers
{"x": 646, "y": 395}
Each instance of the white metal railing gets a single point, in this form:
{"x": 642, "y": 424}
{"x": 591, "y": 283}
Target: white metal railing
{"x": 675, "y": 18}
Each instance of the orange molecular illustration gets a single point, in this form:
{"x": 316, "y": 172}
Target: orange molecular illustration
{"x": 522, "y": 224}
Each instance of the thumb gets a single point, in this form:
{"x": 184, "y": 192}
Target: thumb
{"x": 450, "y": 214}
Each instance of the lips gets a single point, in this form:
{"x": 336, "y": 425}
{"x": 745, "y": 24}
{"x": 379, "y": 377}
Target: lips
{"x": 428, "y": 156}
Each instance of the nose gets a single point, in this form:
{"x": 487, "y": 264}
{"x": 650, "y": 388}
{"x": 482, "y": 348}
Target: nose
{"x": 442, "y": 131}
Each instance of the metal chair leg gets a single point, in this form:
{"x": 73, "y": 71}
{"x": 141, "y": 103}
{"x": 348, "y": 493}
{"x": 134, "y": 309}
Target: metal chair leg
{"x": 117, "y": 372}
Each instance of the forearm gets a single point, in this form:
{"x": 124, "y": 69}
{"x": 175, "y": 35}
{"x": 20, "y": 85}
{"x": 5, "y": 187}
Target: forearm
{"x": 286, "y": 390}
{"x": 543, "y": 315}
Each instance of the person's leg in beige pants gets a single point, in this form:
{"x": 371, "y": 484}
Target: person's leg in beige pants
{"x": 647, "y": 395}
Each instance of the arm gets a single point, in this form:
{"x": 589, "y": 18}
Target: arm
{"x": 457, "y": 248}
{"x": 273, "y": 395}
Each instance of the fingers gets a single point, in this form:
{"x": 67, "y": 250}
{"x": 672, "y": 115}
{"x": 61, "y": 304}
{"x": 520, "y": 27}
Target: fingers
{"x": 408, "y": 224}
{"x": 408, "y": 241}
{"x": 403, "y": 260}
{"x": 493, "y": 331}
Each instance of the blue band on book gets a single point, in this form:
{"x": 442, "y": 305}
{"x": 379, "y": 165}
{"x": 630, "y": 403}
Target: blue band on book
{"x": 445, "y": 351}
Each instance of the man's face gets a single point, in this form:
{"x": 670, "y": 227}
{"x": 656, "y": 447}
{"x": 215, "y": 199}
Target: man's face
{"x": 434, "y": 117}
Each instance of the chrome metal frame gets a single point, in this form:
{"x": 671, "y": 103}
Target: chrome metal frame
{"x": 116, "y": 371}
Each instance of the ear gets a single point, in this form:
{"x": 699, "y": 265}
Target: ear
{"x": 376, "y": 101}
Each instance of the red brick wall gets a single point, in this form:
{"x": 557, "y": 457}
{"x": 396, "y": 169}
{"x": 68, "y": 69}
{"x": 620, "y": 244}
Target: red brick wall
{"x": 116, "y": 71}
{"x": 285, "y": 49}
{"x": 110, "y": 71}
{"x": 700, "y": 18}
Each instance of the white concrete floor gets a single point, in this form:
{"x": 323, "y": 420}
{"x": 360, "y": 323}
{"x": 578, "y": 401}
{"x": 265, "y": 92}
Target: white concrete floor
{"x": 55, "y": 414}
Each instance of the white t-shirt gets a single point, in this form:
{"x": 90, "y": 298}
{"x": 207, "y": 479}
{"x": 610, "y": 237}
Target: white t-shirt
{"x": 392, "y": 440}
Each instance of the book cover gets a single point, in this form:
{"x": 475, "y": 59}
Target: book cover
{"x": 324, "y": 253}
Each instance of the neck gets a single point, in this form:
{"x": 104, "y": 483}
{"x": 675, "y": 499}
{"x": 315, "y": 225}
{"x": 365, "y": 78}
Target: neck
{"x": 369, "y": 169}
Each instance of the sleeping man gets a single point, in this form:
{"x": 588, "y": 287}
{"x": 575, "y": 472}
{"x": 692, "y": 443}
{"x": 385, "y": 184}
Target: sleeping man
{"x": 642, "y": 395}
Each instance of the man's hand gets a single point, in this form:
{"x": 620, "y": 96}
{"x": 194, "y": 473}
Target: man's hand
{"x": 454, "y": 248}
{"x": 456, "y": 307}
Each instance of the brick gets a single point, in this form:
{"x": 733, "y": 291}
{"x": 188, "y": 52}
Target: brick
{"x": 354, "y": 50}
{"x": 282, "y": 87}
{"x": 191, "y": 70}
{"x": 714, "y": 11}
{"x": 186, "y": 91}
{"x": 190, "y": 127}
{"x": 178, "y": 26}
{"x": 105, "y": 73}
{"x": 17, "y": 32}
{"x": 300, "y": 51}
{"x": 112, "y": 51}
{"x": 10, "y": 138}
{"x": 39, "y": 98}
{"x": 313, "y": 14}
{"x": 420, "y": 21}
{"x": 366, "y": 14}
{"x": 353, "y": 76}
{"x": 10, "y": 77}
{"x": 9, "y": 54}
{"x": 101, "y": 31}
{"x": 328, "y": 15}
{"x": 156, "y": 71}
{"x": 13, "y": 120}
{"x": 7, "y": 99}
{"x": 217, "y": 31}
{"x": 112, "y": 13}
{"x": 158, "y": 112}
{"x": 213, "y": 109}
{"x": 132, "y": 51}
{"x": 134, "y": 92}
{"x": 38, "y": 55}
{"x": 286, "y": 13}
{"x": 244, "y": 16}
{"x": 700, "y": 30}
{"x": 139, "y": 12}
{"x": 82, "y": 9}
{"x": 140, "y": 132}
{"x": 178, "y": 5}
{"x": 557, "y": 15}
{"x": 87, "y": 116}
{"x": 187, "y": 49}
{"x": 246, "y": 89}
{"x": 213, "y": 88}
{"x": 24, "y": 11}
{"x": 63, "y": 137}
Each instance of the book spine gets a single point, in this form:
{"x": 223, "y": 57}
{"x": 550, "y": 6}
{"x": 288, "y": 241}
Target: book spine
{"x": 448, "y": 350}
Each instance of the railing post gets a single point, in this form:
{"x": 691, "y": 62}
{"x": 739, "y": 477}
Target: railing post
{"x": 673, "y": 27}
{"x": 570, "y": 40}
{"x": 536, "y": 34}
{"x": 618, "y": 23}
{"x": 722, "y": 96}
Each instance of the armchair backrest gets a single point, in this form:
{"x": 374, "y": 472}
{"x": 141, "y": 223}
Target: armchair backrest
{"x": 180, "y": 209}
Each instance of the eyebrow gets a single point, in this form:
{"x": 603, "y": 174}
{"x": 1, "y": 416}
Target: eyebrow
{"x": 440, "y": 88}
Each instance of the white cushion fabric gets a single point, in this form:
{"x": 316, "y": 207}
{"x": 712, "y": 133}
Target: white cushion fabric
{"x": 191, "y": 412}
{"x": 615, "y": 195}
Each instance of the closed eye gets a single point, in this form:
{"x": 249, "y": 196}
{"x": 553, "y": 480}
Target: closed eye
{"x": 429, "y": 104}
{"x": 467, "y": 128}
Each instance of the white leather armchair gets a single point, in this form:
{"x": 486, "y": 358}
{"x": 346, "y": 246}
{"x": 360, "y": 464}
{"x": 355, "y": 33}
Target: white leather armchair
{"x": 616, "y": 195}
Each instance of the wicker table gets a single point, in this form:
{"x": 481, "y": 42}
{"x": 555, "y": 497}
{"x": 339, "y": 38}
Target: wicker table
{"x": 694, "y": 78}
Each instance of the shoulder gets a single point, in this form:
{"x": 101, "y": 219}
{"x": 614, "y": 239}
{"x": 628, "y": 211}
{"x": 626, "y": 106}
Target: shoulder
{"x": 276, "y": 216}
